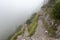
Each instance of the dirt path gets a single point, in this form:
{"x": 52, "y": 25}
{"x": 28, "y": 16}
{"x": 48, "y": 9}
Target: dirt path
{"x": 40, "y": 33}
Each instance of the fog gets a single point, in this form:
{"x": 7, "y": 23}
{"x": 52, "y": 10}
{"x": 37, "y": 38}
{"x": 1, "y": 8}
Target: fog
{"x": 14, "y": 13}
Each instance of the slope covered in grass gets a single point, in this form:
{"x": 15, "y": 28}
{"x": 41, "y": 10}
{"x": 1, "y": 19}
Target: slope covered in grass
{"x": 20, "y": 32}
{"x": 33, "y": 25}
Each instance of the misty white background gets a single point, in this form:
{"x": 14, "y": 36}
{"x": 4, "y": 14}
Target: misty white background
{"x": 15, "y": 12}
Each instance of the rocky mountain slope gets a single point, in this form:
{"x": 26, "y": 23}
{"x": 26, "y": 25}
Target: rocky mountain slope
{"x": 40, "y": 26}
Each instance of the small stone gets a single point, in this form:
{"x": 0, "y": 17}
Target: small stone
{"x": 46, "y": 31}
{"x": 23, "y": 39}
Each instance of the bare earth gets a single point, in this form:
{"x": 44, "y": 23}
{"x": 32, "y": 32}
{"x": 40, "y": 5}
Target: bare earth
{"x": 40, "y": 33}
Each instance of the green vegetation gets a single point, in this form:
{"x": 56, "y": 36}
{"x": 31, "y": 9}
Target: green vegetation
{"x": 20, "y": 32}
{"x": 57, "y": 1}
{"x": 56, "y": 11}
{"x": 51, "y": 30}
{"x": 33, "y": 25}
{"x": 17, "y": 30}
{"x": 29, "y": 21}
{"x": 53, "y": 11}
{"x": 32, "y": 22}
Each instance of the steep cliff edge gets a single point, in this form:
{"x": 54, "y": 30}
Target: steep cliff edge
{"x": 41, "y": 26}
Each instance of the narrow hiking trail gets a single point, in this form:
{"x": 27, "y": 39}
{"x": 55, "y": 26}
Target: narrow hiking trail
{"x": 40, "y": 33}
